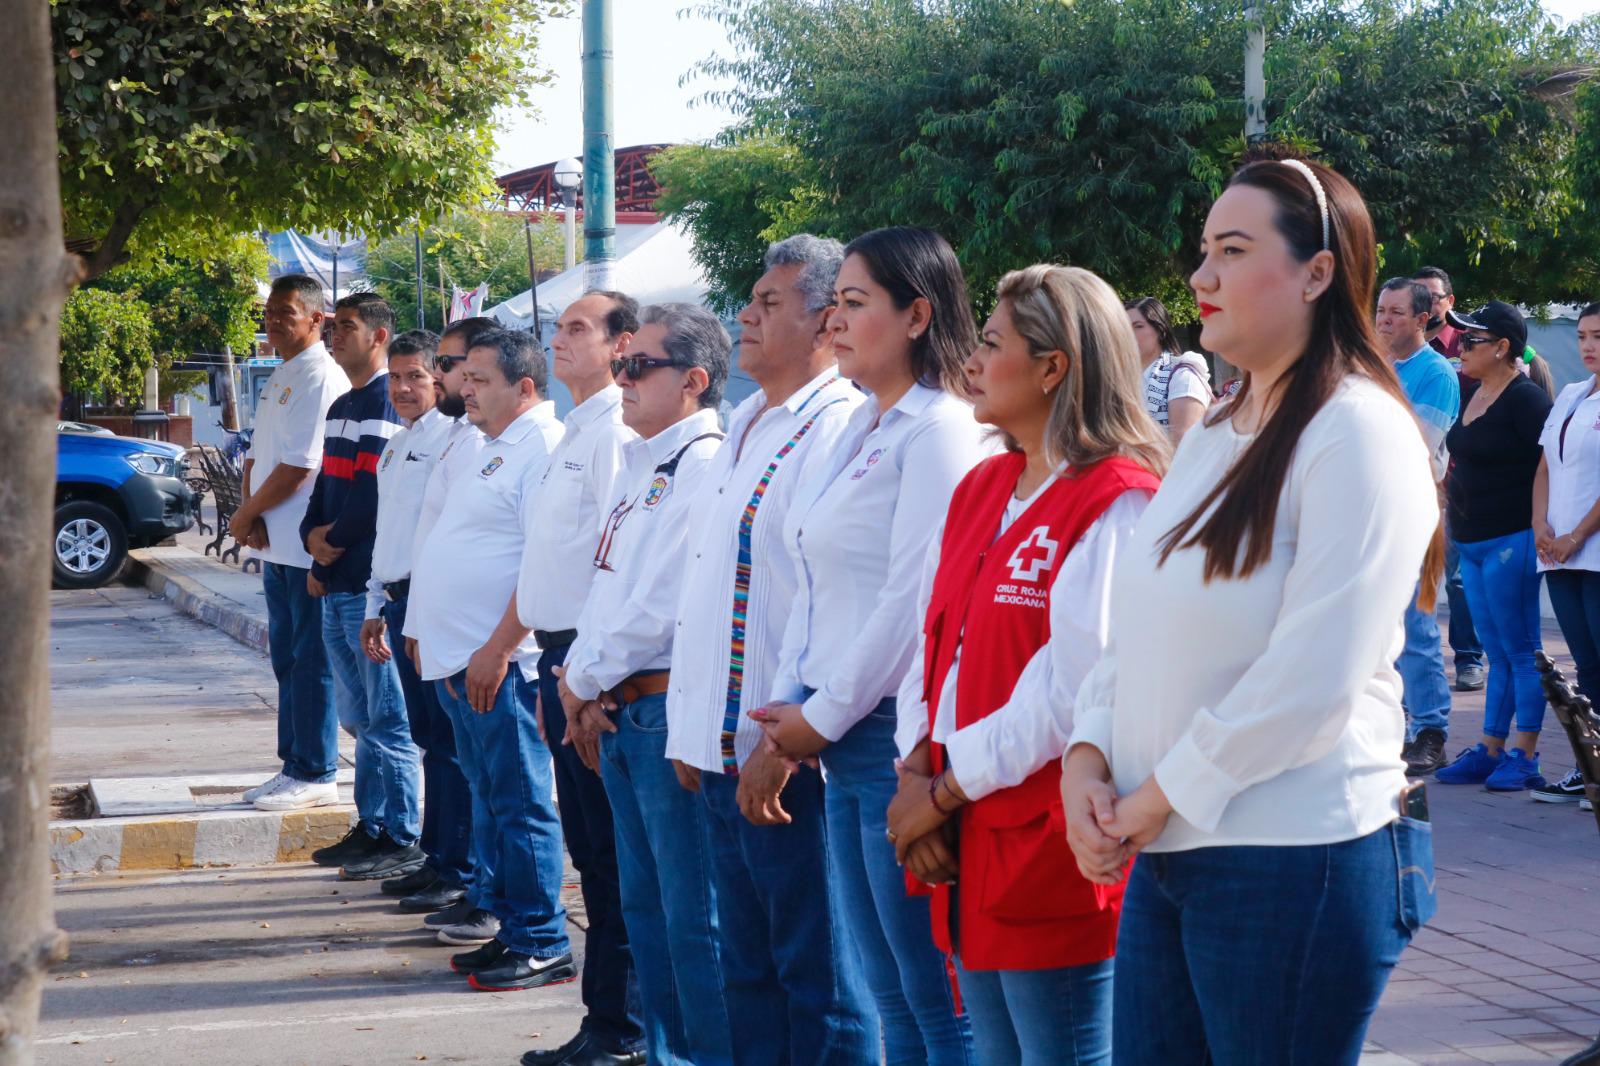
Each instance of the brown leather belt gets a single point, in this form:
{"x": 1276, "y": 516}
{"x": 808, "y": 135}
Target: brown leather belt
{"x": 637, "y": 687}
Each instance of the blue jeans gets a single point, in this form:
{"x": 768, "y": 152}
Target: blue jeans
{"x": 1463, "y": 636}
{"x": 308, "y": 732}
{"x": 372, "y": 709}
{"x": 516, "y": 836}
{"x": 610, "y": 988}
{"x": 1575, "y": 594}
{"x": 1502, "y": 580}
{"x": 1059, "y": 1017}
{"x": 1265, "y": 954}
{"x": 667, "y": 896}
{"x": 447, "y": 811}
{"x": 892, "y": 930}
{"x": 1421, "y": 666}
{"x": 796, "y": 993}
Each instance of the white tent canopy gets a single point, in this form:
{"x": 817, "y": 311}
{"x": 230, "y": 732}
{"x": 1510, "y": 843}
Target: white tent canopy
{"x": 655, "y": 264}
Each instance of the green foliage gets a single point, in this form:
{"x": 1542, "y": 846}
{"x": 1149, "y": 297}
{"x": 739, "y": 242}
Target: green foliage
{"x": 736, "y": 199}
{"x": 160, "y": 307}
{"x": 475, "y": 246}
{"x": 202, "y": 118}
{"x": 1097, "y": 132}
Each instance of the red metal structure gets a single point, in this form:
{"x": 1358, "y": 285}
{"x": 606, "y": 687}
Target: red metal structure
{"x": 534, "y": 190}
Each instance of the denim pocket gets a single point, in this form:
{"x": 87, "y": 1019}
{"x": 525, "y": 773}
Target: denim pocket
{"x": 648, "y": 714}
{"x": 1414, "y": 880}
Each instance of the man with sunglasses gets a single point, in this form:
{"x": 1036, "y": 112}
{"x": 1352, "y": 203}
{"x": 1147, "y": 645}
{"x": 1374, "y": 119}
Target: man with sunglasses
{"x": 616, "y": 679}
{"x": 571, "y": 503}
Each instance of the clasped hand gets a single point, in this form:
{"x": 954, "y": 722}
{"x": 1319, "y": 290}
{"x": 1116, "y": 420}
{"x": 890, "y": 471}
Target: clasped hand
{"x": 916, "y": 826}
{"x": 1104, "y": 831}
{"x": 586, "y": 720}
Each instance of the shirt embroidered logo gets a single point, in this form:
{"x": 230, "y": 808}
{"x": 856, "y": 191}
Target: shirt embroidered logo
{"x": 283, "y": 397}
{"x": 602, "y": 554}
{"x": 871, "y": 462}
{"x": 1033, "y": 556}
{"x": 658, "y": 490}
{"x": 494, "y": 464}
{"x": 388, "y": 457}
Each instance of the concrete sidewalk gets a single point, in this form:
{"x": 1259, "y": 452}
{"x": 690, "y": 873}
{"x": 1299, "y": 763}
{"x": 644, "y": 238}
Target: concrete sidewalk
{"x": 217, "y": 593}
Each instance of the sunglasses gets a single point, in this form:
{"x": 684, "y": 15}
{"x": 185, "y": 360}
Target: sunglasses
{"x": 448, "y": 363}
{"x": 634, "y": 366}
{"x": 1470, "y": 341}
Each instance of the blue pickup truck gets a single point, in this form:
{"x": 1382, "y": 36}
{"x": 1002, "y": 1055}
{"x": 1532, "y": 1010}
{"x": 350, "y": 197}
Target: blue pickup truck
{"x": 113, "y": 493}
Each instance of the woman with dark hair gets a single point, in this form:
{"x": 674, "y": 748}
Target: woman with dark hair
{"x": 859, "y": 531}
{"x": 986, "y": 708}
{"x": 1566, "y": 516}
{"x": 1177, "y": 384}
{"x": 1243, "y": 729}
{"x": 1495, "y": 452}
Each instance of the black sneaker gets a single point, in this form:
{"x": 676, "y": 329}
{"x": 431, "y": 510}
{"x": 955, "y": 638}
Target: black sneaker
{"x": 1568, "y": 790}
{"x": 436, "y": 897}
{"x": 585, "y": 1049}
{"x": 478, "y": 927}
{"x": 356, "y": 845}
{"x": 389, "y": 859}
{"x": 415, "y": 881}
{"x": 454, "y": 914}
{"x": 470, "y": 962}
{"x": 516, "y": 972}
{"x": 1425, "y": 754}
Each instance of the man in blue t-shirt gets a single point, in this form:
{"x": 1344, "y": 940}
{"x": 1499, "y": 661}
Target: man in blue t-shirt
{"x": 1404, "y": 307}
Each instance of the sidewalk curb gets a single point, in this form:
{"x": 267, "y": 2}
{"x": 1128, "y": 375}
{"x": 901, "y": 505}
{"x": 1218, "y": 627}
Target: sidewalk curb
{"x": 221, "y": 838}
{"x": 195, "y": 600}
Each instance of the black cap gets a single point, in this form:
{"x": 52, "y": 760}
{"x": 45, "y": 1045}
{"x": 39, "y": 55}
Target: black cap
{"x": 1496, "y": 319}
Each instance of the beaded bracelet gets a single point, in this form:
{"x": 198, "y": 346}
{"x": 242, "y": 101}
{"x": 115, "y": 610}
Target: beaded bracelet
{"x": 933, "y": 795}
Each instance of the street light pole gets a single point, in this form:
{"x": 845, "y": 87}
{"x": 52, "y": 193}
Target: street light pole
{"x": 422, "y": 322}
{"x": 1255, "y": 75}
{"x": 568, "y": 175}
{"x": 599, "y": 152}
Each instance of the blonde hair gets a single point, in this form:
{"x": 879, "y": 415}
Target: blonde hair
{"x": 1098, "y": 411}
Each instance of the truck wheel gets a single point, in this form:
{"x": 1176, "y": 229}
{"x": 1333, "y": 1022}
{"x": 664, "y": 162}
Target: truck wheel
{"x": 89, "y": 545}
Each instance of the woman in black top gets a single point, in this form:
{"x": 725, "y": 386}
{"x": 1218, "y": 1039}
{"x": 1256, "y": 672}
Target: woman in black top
{"x": 1495, "y": 446}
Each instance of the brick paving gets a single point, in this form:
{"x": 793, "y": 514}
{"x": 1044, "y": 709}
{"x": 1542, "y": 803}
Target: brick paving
{"x": 1508, "y": 971}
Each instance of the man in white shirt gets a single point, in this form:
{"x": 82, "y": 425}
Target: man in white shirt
{"x": 469, "y": 640}
{"x": 566, "y": 514}
{"x": 672, "y": 379}
{"x": 403, "y": 474}
{"x": 279, "y": 470}
{"x": 794, "y": 983}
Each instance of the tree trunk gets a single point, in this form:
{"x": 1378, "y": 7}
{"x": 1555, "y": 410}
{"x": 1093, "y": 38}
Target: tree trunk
{"x": 36, "y": 273}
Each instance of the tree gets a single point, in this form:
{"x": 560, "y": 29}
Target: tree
{"x": 1098, "y": 132}
{"x": 475, "y": 246}
{"x": 204, "y": 118}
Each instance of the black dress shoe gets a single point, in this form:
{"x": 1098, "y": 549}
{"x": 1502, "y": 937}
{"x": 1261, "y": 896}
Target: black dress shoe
{"x": 479, "y": 958}
{"x": 1425, "y": 754}
{"x": 388, "y": 859}
{"x": 583, "y": 1050}
{"x": 436, "y": 897}
{"x": 411, "y": 883}
{"x": 516, "y": 972}
{"x": 356, "y": 845}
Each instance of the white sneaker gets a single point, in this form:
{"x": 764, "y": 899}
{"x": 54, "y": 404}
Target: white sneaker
{"x": 297, "y": 795}
{"x": 271, "y": 784}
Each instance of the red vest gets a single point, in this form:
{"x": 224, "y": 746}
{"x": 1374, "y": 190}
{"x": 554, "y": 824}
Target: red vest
{"x": 1022, "y": 903}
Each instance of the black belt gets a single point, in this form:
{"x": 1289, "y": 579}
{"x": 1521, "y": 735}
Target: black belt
{"x": 558, "y": 639}
{"x": 395, "y": 591}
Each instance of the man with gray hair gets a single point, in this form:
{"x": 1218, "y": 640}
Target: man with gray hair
{"x": 793, "y": 983}
{"x": 616, "y": 679}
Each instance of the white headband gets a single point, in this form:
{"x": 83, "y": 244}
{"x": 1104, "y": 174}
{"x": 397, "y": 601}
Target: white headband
{"x": 1322, "y": 197}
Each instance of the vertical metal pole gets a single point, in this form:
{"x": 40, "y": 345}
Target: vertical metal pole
{"x": 533, "y": 277}
{"x": 336, "y": 241}
{"x": 599, "y": 150}
{"x": 569, "y": 227}
{"x": 422, "y": 321}
{"x": 1255, "y": 75}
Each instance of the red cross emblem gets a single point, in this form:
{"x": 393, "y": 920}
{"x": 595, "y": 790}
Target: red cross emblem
{"x": 1033, "y": 556}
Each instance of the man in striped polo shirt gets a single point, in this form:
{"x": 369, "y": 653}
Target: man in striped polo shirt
{"x": 339, "y": 529}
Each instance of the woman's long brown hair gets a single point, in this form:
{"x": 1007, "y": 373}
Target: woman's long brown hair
{"x": 1237, "y": 536}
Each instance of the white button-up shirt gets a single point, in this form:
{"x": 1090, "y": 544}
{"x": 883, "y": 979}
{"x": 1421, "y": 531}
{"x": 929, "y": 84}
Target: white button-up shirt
{"x": 466, "y": 574}
{"x": 753, "y": 476}
{"x": 567, "y": 513}
{"x": 854, "y": 622}
{"x": 290, "y": 422}
{"x": 1573, "y": 465}
{"x": 1033, "y": 726}
{"x": 402, "y": 479}
{"x": 627, "y": 624}
{"x": 461, "y": 441}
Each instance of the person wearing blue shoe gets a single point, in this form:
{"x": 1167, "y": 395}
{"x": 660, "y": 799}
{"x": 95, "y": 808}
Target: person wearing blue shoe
{"x": 1496, "y": 446}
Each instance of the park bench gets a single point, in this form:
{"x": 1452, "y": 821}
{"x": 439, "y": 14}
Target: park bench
{"x": 227, "y": 489}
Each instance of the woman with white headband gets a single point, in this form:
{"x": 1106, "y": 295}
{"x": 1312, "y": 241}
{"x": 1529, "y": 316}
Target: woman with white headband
{"x": 1243, "y": 730}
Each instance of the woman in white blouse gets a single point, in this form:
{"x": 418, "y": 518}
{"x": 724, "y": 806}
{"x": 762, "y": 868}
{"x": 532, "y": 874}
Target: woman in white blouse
{"x": 859, "y": 531}
{"x": 1566, "y": 516}
{"x": 1243, "y": 729}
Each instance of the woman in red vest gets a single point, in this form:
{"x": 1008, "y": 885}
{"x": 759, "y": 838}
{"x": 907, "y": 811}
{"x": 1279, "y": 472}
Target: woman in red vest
{"x": 986, "y": 710}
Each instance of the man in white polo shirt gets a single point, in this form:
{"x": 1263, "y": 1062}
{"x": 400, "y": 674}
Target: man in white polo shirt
{"x": 279, "y": 471}
{"x": 469, "y": 640}
{"x": 566, "y": 516}
{"x": 785, "y": 959}
{"x": 672, "y": 378}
